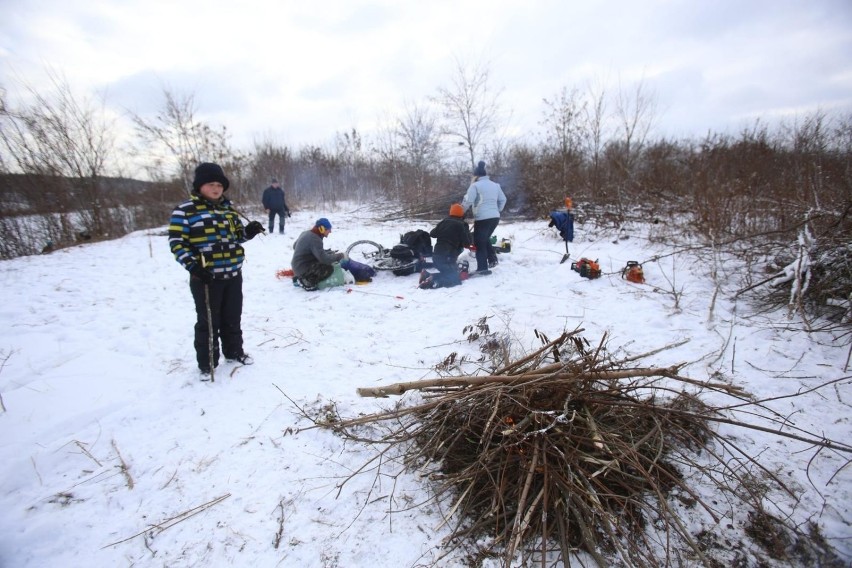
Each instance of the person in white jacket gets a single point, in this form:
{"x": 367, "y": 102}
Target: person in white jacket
{"x": 487, "y": 200}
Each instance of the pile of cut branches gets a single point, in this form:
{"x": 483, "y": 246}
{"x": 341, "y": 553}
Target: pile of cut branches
{"x": 813, "y": 276}
{"x": 565, "y": 451}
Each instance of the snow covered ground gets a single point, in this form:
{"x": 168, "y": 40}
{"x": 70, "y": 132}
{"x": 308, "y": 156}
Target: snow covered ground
{"x": 113, "y": 453}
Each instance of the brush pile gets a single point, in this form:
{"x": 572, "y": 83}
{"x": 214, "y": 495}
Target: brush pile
{"x": 813, "y": 275}
{"x": 571, "y": 454}
{"x": 564, "y": 450}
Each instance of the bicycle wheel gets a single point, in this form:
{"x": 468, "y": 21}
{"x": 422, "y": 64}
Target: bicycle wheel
{"x": 399, "y": 267}
{"x": 365, "y": 252}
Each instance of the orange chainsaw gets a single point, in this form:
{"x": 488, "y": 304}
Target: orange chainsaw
{"x": 587, "y": 268}
{"x": 633, "y": 272}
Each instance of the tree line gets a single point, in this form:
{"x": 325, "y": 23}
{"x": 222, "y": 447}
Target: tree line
{"x": 66, "y": 176}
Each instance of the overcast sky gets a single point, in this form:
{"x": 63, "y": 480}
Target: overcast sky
{"x": 301, "y": 70}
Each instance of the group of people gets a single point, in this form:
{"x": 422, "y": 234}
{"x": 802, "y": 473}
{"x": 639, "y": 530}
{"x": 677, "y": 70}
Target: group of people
{"x": 486, "y": 200}
{"x": 206, "y": 236}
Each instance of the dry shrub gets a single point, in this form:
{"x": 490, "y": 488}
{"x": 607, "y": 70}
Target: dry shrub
{"x": 812, "y": 276}
{"x": 571, "y": 453}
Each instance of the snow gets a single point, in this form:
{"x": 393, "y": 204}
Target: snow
{"x": 99, "y": 375}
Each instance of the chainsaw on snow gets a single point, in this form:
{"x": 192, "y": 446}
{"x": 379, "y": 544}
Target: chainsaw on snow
{"x": 587, "y": 268}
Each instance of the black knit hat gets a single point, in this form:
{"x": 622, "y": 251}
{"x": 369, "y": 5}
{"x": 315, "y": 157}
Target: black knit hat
{"x": 480, "y": 170}
{"x": 207, "y": 172}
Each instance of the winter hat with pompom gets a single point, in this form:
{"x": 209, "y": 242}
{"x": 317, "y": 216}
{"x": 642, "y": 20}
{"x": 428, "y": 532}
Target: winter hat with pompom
{"x": 480, "y": 170}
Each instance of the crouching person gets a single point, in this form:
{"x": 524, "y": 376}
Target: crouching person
{"x": 452, "y": 235}
{"x": 311, "y": 262}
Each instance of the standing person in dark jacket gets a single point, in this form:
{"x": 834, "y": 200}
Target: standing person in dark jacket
{"x": 275, "y": 204}
{"x": 206, "y": 237}
{"x": 487, "y": 200}
{"x": 452, "y": 236}
{"x": 311, "y": 262}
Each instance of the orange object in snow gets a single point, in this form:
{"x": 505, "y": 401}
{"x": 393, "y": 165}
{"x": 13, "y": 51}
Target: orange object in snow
{"x": 633, "y": 272}
{"x": 587, "y": 268}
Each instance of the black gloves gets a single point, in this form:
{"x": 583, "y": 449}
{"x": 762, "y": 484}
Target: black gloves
{"x": 253, "y": 229}
{"x": 202, "y": 274}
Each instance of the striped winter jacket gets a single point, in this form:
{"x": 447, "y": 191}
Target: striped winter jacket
{"x": 199, "y": 227}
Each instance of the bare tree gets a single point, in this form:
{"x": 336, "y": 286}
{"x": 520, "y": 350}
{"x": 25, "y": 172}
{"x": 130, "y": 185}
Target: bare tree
{"x": 635, "y": 115}
{"x": 564, "y": 134}
{"x": 595, "y": 114}
{"x": 60, "y": 139}
{"x": 348, "y": 150}
{"x": 176, "y": 135}
{"x": 271, "y": 160}
{"x": 809, "y": 140}
{"x": 57, "y": 133}
{"x": 389, "y": 159}
{"x": 419, "y": 138}
{"x": 842, "y": 145}
{"x": 471, "y": 108}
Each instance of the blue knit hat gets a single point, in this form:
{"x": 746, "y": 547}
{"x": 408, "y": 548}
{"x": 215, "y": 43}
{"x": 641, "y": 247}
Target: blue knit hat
{"x": 323, "y": 222}
{"x": 480, "y": 170}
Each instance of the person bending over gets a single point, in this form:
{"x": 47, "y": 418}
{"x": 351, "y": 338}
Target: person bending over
{"x": 312, "y": 263}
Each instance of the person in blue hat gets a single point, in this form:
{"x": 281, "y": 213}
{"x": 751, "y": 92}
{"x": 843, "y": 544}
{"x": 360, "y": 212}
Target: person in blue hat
{"x": 311, "y": 262}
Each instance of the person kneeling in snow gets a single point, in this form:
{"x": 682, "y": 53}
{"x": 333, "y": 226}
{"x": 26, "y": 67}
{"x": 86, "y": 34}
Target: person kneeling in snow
{"x": 311, "y": 262}
{"x": 452, "y": 235}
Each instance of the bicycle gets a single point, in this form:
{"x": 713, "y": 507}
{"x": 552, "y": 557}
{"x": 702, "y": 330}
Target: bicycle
{"x": 402, "y": 262}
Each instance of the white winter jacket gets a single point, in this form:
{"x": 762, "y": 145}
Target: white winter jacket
{"x": 486, "y": 197}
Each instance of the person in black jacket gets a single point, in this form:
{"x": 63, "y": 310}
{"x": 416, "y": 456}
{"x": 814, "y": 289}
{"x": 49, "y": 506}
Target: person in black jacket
{"x": 453, "y": 236}
{"x": 275, "y": 204}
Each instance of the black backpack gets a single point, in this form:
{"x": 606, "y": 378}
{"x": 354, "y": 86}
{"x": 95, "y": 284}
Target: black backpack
{"x": 419, "y": 241}
{"x": 405, "y": 256}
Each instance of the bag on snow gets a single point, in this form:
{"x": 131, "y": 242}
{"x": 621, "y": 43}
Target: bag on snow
{"x": 337, "y": 278}
{"x": 403, "y": 253}
{"x": 419, "y": 241}
{"x": 405, "y": 256}
{"x": 359, "y": 271}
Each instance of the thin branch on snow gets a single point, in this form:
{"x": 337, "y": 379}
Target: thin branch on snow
{"x": 124, "y": 468}
{"x": 158, "y": 528}
{"x": 86, "y": 452}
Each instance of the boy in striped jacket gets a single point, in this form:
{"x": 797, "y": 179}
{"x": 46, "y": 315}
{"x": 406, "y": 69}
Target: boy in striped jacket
{"x": 206, "y": 237}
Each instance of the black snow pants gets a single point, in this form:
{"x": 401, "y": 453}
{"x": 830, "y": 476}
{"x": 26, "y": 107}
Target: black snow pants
{"x": 226, "y": 309}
